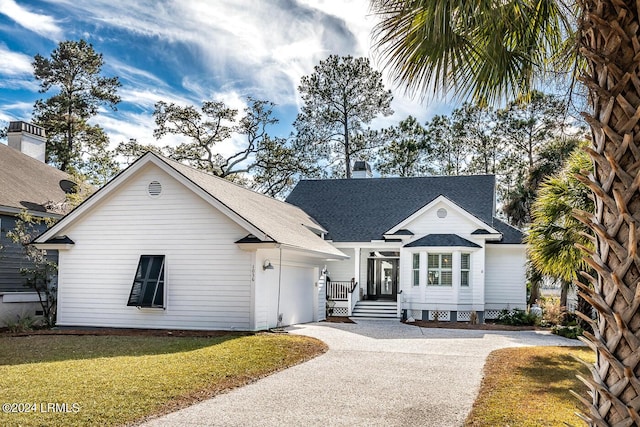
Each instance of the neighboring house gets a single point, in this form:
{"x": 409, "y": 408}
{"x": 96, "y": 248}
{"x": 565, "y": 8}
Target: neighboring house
{"x": 26, "y": 183}
{"x": 163, "y": 245}
{"x": 428, "y": 248}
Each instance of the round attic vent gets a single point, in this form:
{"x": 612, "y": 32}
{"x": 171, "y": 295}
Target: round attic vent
{"x": 442, "y": 213}
{"x": 154, "y": 189}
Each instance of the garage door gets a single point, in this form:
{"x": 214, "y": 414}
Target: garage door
{"x": 296, "y": 295}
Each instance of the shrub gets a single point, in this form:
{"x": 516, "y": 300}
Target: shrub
{"x": 552, "y": 312}
{"x": 517, "y": 317}
{"x": 572, "y": 332}
{"x": 21, "y": 324}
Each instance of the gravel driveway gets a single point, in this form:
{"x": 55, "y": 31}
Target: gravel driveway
{"x": 376, "y": 373}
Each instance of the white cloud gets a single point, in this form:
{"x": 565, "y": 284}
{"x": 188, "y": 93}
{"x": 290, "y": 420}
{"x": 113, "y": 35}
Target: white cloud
{"x": 232, "y": 49}
{"x": 16, "y": 111}
{"x": 14, "y": 63}
{"x": 133, "y": 74}
{"x": 264, "y": 47}
{"x": 43, "y": 25}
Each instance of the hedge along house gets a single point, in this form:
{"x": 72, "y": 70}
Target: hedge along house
{"x": 163, "y": 245}
{"x": 26, "y": 183}
{"x": 429, "y": 247}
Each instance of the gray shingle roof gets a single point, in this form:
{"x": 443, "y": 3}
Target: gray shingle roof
{"x": 510, "y": 235}
{"x": 27, "y": 183}
{"x": 282, "y": 222}
{"x": 441, "y": 240}
{"x": 361, "y": 210}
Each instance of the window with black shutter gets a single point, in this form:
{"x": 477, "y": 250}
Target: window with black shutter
{"x": 148, "y": 284}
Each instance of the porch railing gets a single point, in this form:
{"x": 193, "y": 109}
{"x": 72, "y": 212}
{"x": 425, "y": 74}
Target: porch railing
{"x": 340, "y": 291}
{"x": 344, "y": 296}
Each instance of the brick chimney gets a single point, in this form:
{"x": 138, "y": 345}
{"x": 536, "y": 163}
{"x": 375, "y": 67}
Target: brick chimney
{"x": 361, "y": 169}
{"x": 28, "y": 139}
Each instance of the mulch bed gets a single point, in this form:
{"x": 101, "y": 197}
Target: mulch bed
{"x": 338, "y": 319}
{"x": 467, "y": 325}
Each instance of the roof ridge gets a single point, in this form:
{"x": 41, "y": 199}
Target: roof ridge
{"x": 378, "y": 178}
{"x": 164, "y": 158}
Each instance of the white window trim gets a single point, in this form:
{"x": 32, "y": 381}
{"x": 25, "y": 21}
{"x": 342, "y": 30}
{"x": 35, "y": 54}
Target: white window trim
{"x": 415, "y": 270}
{"x": 440, "y": 270}
{"x": 468, "y": 270}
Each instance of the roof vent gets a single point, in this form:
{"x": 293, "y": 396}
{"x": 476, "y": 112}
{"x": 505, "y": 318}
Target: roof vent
{"x": 442, "y": 213}
{"x": 154, "y": 189}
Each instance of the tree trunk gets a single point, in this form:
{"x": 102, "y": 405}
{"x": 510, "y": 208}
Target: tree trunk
{"x": 347, "y": 151}
{"x": 564, "y": 294}
{"x": 610, "y": 45}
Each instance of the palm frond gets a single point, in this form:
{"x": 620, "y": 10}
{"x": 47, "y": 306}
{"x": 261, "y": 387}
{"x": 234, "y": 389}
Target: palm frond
{"x": 485, "y": 50}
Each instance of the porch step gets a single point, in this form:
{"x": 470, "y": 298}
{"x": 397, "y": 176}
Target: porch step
{"x": 375, "y": 309}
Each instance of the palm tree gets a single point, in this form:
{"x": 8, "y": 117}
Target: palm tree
{"x": 555, "y": 236}
{"x": 495, "y": 49}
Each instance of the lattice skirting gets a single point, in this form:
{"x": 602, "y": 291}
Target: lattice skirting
{"x": 340, "y": 311}
{"x": 491, "y": 314}
{"x": 416, "y": 314}
{"x": 444, "y": 316}
{"x": 464, "y": 316}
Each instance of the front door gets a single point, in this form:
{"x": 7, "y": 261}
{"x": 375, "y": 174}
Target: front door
{"x": 382, "y": 278}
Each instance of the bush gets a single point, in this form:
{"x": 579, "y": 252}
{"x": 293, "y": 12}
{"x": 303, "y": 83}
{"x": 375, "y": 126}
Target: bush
{"x": 21, "y": 324}
{"x": 552, "y": 312}
{"x": 572, "y": 332}
{"x": 517, "y": 317}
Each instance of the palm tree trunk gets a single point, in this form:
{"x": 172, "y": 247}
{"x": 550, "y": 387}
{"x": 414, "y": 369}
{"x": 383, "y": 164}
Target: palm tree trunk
{"x": 610, "y": 44}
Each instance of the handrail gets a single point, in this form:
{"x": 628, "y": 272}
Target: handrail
{"x": 339, "y": 291}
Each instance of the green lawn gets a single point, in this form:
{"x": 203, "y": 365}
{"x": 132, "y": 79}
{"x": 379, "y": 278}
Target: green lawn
{"x": 113, "y": 380}
{"x": 530, "y": 387}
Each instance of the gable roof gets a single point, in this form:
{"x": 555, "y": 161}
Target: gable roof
{"x": 442, "y": 240}
{"x": 27, "y": 183}
{"x": 277, "y": 221}
{"x": 361, "y": 210}
{"x": 510, "y": 234}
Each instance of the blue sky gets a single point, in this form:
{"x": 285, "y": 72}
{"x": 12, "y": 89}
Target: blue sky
{"x": 187, "y": 51}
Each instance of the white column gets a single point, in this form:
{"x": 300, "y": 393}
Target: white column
{"x": 455, "y": 270}
{"x": 356, "y": 270}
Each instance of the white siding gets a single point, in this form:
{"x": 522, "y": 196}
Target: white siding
{"x": 453, "y": 223}
{"x": 342, "y": 271}
{"x": 505, "y": 283}
{"x": 322, "y": 298}
{"x": 208, "y": 278}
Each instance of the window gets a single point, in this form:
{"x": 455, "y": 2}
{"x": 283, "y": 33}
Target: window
{"x": 439, "y": 271}
{"x": 465, "y": 266}
{"x": 416, "y": 269}
{"x": 148, "y": 285}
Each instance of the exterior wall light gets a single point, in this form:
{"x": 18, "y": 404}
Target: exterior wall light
{"x": 267, "y": 265}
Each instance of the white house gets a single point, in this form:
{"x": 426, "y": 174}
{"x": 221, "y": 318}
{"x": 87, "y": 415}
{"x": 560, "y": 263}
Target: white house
{"x": 167, "y": 246}
{"x": 429, "y": 247}
{"x": 163, "y": 245}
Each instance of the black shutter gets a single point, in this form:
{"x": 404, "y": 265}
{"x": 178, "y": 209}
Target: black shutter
{"x": 148, "y": 284}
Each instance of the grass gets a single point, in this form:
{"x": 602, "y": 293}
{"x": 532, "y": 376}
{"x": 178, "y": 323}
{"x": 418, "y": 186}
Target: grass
{"x": 115, "y": 380}
{"x": 530, "y": 387}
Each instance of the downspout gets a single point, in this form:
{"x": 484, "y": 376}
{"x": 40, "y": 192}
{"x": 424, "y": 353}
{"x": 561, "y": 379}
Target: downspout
{"x": 278, "y": 314}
